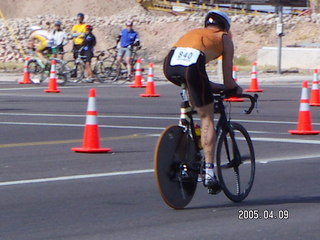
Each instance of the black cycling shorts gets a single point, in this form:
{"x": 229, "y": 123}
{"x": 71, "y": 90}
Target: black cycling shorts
{"x": 195, "y": 76}
{"x": 87, "y": 55}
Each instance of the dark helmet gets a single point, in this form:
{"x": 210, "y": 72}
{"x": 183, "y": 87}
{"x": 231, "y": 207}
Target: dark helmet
{"x": 218, "y": 17}
{"x": 57, "y": 23}
{"x": 80, "y": 15}
{"x": 89, "y": 27}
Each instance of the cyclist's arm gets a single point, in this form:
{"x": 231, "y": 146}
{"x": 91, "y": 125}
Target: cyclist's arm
{"x": 31, "y": 42}
{"x": 227, "y": 63}
{"x": 118, "y": 38}
{"x": 136, "y": 40}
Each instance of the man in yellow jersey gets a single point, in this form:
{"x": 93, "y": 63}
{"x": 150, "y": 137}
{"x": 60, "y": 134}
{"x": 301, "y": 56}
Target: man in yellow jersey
{"x": 78, "y": 32}
{"x": 187, "y": 59}
{"x": 40, "y": 40}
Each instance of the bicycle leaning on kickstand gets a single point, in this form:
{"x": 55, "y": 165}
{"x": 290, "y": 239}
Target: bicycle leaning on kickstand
{"x": 179, "y": 161}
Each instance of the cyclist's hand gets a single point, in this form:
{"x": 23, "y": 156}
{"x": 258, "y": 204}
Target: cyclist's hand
{"x": 239, "y": 90}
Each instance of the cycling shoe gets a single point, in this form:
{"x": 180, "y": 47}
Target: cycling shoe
{"x": 213, "y": 185}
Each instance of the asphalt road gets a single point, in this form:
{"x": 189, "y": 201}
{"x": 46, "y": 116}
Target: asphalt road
{"x": 51, "y": 192}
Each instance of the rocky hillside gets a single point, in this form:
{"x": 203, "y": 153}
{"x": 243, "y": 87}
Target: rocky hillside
{"x": 158, "y": 31}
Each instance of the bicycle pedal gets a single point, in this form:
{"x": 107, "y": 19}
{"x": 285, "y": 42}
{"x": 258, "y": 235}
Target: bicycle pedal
{"x": 213, "y": 191}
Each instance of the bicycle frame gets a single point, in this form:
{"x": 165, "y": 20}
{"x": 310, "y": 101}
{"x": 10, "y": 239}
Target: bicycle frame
{"x": 186, "y": 116}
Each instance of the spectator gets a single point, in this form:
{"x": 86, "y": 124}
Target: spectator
{"x": 60, "y": 39}
{"x": 87, "y": 50}
{"x": 78, "y": 31}
{"x": 128, "y": 39}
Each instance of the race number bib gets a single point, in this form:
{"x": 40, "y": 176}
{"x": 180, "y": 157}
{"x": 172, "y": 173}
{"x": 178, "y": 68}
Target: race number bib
{"x": 184, "y": 56}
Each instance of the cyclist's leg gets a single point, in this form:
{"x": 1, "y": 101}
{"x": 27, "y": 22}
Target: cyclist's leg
{"x": 39, "y": 52}
{"x": 88, "y": 67}
{"x": 201, "y": 97}
{"x": 121, "y": 53}
{"x": 128, "y": 55}
{"x": 75, "y": 50}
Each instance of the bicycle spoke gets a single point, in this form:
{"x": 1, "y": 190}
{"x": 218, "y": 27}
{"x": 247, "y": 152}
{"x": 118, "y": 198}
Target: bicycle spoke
{"x": 235, "y": 162}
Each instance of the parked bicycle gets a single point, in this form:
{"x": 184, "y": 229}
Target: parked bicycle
{"x": 114, "y": 72}
{"x": 179, "y": 162}
{"x": 75, "y": 68}
{"x": 40, "y": 72}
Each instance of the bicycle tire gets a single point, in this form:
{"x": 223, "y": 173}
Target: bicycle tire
{"x": 62, "y": 76}
{"x": 98, "y": 71}
{"x": 35, "y": 71}
{"x": 175, "y": 148}
{"x": 120, "y": 75}
{"x": 236, "y": 177}
{"x": 109, "y": 69}
{"x": 104, "y": 70}
{"x": 74, "y": 71}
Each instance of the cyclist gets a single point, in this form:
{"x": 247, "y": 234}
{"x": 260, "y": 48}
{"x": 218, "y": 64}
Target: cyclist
{"x": 187, "y": 59}
{"x": 60, "y": 39}
{"x": 128, "y": 38}
{"x": 87, "y": 51}
{"x": 40, "y": 40}
{"x": 78, "y": 31}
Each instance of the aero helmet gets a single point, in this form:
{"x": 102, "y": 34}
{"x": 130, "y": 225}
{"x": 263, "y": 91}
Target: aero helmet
{"x": 34, "y": 28}
{"x": 218, "y": 16}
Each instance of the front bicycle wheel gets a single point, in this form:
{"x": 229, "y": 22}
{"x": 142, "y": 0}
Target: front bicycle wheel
{"x": 35, "y": 71}
{"x": 121, "y": 73}
{"x": 75, "y": 71}
{"x": 235, "y": 162}
{"x": 175, "y": 167}
{"x": 62, "y": 76}
{"x": 109, "y": 69}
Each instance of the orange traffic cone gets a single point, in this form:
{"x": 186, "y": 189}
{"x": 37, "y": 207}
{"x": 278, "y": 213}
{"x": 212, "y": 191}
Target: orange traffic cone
{"x": 315, "y": 92}
{"x": 254, "y": 80}
{"x": 138, "y": 76}
{"x": 150, "y": 90}
{"x": 304, "y": 119}
{"x": 52, "y": 86}
{"x": 234, "y": 75}
{"x": 91, "y": 142}
{"x": 26, "y": 74}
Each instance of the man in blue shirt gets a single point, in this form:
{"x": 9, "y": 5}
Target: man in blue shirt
{"x": 128, "y": 39}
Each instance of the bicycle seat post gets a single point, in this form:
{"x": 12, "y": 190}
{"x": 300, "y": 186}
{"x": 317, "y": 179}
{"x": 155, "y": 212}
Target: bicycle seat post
{"x": 185, "y": 108}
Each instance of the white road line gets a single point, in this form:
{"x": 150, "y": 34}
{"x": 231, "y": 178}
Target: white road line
{"x": 83, "y": 116}
{"x": 259, "y": 139}
{"x": 111, "y": 174}
{"x": 138, "y": 117}
{"x": 79, "y": 125}
{"x": 279, "y": 159}
{"x": 75, "y": 177}
{"x": 285, "y": 140}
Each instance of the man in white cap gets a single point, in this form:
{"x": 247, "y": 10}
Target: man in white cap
{"x": 128, "y": 39}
